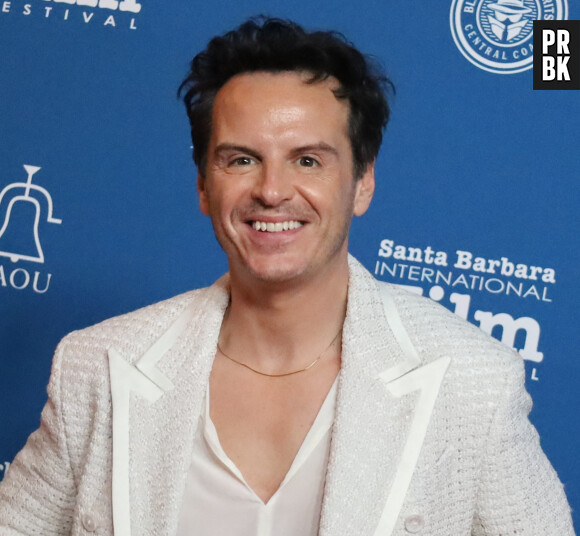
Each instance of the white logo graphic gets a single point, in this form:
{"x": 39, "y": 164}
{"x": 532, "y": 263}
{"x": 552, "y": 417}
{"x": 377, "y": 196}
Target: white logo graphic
{"x": 456, "y": 280}
{"x": 106, "y": 13}
{"x": 497, "y": 35}
{"x": 126, "y": 5}
{"x": 4, "y": 467}
{"x": 17, "y": 202}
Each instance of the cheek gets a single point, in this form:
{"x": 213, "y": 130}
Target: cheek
{"x": 222, "y": 206}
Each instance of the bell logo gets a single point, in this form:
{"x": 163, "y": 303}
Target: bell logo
{"x": 22, "y": 204}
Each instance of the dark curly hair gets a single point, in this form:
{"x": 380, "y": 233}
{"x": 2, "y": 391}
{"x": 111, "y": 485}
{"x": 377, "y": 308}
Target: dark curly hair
{"x": 275, "y": 45}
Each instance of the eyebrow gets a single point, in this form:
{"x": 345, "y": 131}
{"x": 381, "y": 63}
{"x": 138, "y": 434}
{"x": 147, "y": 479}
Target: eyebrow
{"x": 313, "y": 147}
{"x": 227, "y": 147}
{"x": 316, "y": 147}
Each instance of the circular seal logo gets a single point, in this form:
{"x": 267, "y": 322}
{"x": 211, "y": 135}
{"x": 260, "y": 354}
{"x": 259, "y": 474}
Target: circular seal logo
{"x": 497, "y": 35}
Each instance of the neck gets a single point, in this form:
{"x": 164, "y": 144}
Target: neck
{"x": 281, "y": 327}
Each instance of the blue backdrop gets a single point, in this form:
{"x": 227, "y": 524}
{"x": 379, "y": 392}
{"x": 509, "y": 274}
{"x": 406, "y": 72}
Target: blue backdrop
{"x": 476, "y": 204}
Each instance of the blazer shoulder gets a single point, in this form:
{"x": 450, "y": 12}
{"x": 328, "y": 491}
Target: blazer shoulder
{"x": 136, "y": 331}
{"x": 434, "y": 330}
{"x": 431, "y": 325}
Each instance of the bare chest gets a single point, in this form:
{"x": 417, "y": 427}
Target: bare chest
{"x": 262, "y": 422}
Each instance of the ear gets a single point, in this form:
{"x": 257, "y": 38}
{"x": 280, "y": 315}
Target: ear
{"x": 364, "y": 190}
{"x": 202, "y": 194}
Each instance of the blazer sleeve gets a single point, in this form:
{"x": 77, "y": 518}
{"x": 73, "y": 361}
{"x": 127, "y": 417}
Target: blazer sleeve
{"x": 37, "y": 493}
{"x": 519, "y": 492}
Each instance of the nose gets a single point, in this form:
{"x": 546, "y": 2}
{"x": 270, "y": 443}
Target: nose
{"x": 273, "y": 185}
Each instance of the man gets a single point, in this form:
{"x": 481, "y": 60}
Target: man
{"x": 297, "y": 395}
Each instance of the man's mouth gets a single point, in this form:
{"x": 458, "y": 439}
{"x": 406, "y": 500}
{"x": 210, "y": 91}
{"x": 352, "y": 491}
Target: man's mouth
{"x": 276, "y": 227}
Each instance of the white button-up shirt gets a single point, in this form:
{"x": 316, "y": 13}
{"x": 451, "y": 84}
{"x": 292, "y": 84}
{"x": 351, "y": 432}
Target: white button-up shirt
{"x": 218, "y": 500}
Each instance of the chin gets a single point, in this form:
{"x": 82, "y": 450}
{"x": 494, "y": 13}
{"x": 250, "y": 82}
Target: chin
{"x": 276, "y": 275}
{"x": 277, "y": 272}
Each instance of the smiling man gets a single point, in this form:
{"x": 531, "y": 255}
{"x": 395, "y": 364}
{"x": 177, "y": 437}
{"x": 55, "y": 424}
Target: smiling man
{"x": 297, "y": 395}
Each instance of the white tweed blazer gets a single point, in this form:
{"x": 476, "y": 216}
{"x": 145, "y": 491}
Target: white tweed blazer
{"x": 431, "y": 434}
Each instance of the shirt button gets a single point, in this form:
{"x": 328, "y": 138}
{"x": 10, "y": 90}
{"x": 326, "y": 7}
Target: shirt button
{"x": 88, "y": 523}
{"x": 414, "y": 524}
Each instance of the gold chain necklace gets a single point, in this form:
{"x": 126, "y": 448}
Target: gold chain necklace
{"x": 286, "y": 373}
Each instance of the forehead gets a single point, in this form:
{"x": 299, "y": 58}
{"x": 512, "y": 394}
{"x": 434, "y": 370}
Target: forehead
{"x": 279, "y": 101}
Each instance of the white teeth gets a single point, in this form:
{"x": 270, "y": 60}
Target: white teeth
{"x": 271, "y": 227}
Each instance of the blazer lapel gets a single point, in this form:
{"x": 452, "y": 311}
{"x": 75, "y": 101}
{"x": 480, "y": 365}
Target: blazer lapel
{"x": 157, "y": 400}
{"x": 384, "y": 405}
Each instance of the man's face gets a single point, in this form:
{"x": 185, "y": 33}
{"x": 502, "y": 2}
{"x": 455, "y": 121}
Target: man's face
{"x": 279, "y": 181}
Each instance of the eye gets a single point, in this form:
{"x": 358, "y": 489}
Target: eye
{"x": 242, "y": 161}
{"x": 308, "y": 161}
